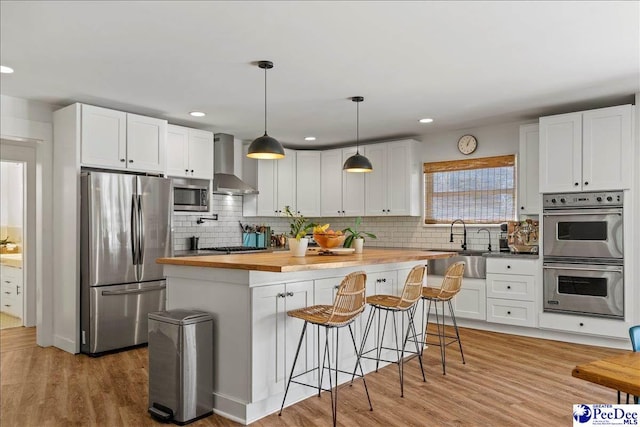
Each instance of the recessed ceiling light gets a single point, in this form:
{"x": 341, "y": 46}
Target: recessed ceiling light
{"x": 197, "y": 114}
{"x": 309, "y": 138}
{"x": 5, "y": 70}
{"x": 427, "y": 120}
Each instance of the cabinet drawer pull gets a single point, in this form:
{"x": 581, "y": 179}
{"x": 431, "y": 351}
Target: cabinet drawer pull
{"x": 281, "y": 295}
{"x": 289, "y": 294}
{"x": 336, "y": 287}
{"x": 508, "y": 266}
{"x": 8, "y": 293}
{"x": 7, "y": 281}
{"x": 508, "y": 312}
{"x": 508, "y": 286}
{"x": 7, "y": 305}
{"x": 581, "y": 324}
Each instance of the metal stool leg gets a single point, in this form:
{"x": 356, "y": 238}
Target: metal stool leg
{"x": 413, "y": 328}
{"x": 365, "y": 335}
{"x": 455, "y": 325}
{"x": 304, "y": 330}
{"x": 359, "y": 365}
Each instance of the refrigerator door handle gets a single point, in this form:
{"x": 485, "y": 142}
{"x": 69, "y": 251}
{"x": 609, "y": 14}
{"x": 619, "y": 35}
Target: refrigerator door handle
{"x": 134, "y": 229}
{"x": 140, "y": 231}
{"x": 134, "y": 291}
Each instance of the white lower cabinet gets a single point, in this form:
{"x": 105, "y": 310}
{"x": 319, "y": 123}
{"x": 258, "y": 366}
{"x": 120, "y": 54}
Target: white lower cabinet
{"x": 511, "y": 291}
{"x": 276, "y": 336}
{"x": 11, "y": 289}
{"x": 585, "y": 325}
{"x": 470, "y": 303}
{"x": 511, "y": 312}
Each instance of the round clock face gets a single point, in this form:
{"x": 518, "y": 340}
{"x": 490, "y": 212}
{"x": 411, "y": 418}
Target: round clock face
{"x": 467, "y": 144}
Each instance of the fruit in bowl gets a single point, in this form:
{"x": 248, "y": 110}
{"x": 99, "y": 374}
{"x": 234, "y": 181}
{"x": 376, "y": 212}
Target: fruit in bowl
{"x": 327, "y": 238}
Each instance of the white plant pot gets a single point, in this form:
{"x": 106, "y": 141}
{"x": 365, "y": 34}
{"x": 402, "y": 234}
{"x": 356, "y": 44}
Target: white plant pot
{"x": 358, "y": 244}
{"x": 298, "y": 247}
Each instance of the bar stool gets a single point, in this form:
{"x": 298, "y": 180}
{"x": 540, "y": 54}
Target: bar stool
{"x": 347, "y": 306}
{"x": 450, "y": 287}
{"x": 405, "y": 303}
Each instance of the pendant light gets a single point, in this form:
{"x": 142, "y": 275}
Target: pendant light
{"x": 265, "y": 147}
{"x": 357, "y": 162}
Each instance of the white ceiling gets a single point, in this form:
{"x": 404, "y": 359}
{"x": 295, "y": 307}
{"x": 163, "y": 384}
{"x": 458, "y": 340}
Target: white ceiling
{"x": 465, "y": 64}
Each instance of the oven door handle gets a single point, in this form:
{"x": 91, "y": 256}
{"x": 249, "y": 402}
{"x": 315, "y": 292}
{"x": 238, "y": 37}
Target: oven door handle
{"x": 585, "y": 212}
{"x": 609, "y": 269}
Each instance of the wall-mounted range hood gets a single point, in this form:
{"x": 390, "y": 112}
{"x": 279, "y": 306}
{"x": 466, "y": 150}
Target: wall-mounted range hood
{"x": 224, "y": 179}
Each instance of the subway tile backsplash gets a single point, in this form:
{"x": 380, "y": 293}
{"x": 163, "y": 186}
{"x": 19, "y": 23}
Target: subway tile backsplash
{"x": 403, "y": 232}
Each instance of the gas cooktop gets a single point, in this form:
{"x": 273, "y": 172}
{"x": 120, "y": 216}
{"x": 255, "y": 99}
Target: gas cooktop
{"x": 230, "y": 249}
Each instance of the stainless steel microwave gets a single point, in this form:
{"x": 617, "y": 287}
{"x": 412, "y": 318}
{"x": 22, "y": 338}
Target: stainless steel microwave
{"x": 190, "y": 195}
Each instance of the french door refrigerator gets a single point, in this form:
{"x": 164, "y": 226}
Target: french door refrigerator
{"x": 125, "y": 226}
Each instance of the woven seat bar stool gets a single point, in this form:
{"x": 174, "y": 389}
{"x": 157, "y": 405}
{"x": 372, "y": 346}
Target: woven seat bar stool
{"x": 347, "y": 306}
{"x": 405, "y": 303}
{"x": 450, "y": 287}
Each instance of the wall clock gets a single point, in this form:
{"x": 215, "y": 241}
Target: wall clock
{"x": 467, "y": 144}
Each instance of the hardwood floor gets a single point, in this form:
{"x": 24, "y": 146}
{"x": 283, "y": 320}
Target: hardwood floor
{"x": 507, "y": 381}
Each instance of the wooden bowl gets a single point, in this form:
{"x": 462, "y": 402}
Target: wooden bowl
{"x": 329, "y": 241}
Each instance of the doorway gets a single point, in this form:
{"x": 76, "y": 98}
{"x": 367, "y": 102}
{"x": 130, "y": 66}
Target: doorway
{"x": 12, "y": 243}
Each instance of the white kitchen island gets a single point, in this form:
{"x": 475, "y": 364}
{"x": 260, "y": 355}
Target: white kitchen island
{"x": 254, "y": 340}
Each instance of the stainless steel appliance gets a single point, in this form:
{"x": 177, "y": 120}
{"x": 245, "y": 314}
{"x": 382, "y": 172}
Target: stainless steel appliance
{"x": 180, "y": 365}
{"x": 190, "y": 195}
{"x": 583, "y": 270}
{"x": 593, "y": 289}
{"x": 587, "y": 225}
{"x": 125, "y": 226}
{"x": 224, "y": 179}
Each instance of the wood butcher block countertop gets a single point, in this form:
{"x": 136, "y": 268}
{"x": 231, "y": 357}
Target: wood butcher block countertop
{"x": 282, "y": 261}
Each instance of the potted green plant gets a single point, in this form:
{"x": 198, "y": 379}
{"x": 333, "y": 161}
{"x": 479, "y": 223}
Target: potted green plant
{"x": 298, "y": 228}
{"x": 356, "y": 237}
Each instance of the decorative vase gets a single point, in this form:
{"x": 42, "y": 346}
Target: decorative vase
{"x": 358, "y": 245}
{"x": 298, "y": 248}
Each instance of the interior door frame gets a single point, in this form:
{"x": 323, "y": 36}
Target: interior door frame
{"x": 36, "y": 137}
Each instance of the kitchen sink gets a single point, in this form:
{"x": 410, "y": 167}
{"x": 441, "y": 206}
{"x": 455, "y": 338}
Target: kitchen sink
{"x": 475, "y": 263}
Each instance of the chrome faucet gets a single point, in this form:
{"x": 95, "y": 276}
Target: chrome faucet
{"x": 489, "y": 235}
{"x": 464, "y": 233}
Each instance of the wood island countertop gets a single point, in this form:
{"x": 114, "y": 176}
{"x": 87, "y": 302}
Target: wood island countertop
{"x": 282, "y": 261}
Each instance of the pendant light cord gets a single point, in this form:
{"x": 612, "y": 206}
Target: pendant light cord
{"x": 265, "y": 101}
{"x": 357, "y": 128}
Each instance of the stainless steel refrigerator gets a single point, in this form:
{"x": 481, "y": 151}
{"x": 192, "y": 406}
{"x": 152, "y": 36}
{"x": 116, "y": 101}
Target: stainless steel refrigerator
{"x": 125, "y": 226}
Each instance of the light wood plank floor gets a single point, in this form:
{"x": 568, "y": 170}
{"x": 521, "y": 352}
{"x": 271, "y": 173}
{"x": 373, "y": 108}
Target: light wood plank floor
{"x": 507, "y": 381}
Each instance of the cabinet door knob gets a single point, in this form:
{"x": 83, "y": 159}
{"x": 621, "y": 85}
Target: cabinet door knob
{"x": 186, "y": 170}
{"x": 586, "y": 183}
{"x": 122, "y": 160}
{"x": 289, "y": 294}
{"x": 336, "y": 287}
{"x": 191, "y": 170}
{"x": 522, "y": 207}
{"x": 508, "y": 312}
{"x": 282, "y": 295}
{"x": 581, "y": 324}
{"x": 508, "y": 266}
{"x": 508, "y": 286}
{"x": 130, "y": 161}
{"x": 576, "y": 184}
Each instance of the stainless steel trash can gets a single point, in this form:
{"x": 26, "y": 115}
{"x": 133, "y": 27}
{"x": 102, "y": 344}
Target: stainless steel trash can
{"x": 180, "y": 365}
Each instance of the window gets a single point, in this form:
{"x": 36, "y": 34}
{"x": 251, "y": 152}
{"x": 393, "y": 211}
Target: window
{"x": 479, "y": 191}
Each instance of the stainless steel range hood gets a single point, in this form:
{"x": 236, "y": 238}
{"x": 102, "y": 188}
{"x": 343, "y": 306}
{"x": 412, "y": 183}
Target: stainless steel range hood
{"x": 224, "y": 179}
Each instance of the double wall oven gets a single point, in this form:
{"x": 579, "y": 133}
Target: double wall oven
{"x": 583, "y": 270}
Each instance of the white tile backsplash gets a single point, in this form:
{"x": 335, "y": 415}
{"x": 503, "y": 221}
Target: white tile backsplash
{"x": 404, "y": 232}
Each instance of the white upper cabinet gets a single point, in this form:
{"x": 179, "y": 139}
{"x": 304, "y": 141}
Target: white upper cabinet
{"x": 331, "y": 183}
{"x": 189, "y": 152}
{"x": 308, "y": 183}
{"x": 276, "y": 183}
{"x": 528, "y": 165}
{"x": 392, "y": 188}
{"x": 117, "y": 140}
{"x": 104, "y": 137}
{"x": 352, "y": 188}
{"x": 586, "y": 151}
{"x": 341, "y": 193}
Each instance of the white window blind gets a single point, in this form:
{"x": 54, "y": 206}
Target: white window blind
{"x": 479, "y": 191}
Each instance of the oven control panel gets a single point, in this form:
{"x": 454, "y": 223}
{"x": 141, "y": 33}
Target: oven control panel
{"x": 582, "y": 200}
